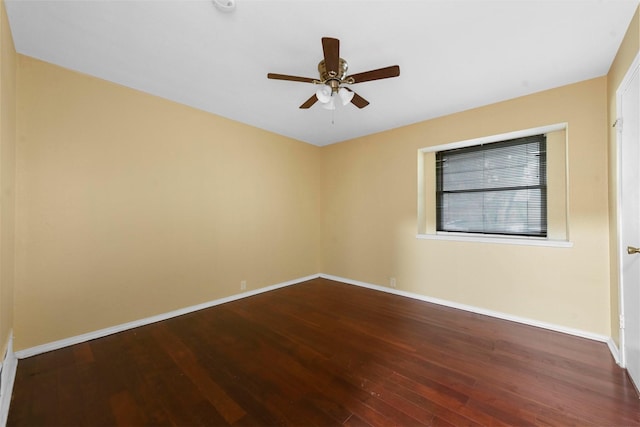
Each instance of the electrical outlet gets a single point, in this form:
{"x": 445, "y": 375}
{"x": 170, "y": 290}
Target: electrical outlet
{"x": 392, "y": 282}
{"x": 243, "y": 285}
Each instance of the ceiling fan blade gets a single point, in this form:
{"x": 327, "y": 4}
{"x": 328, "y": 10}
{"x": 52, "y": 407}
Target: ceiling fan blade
{"x": 331, "y": 49}
{"x": 357, "y": 100}
{"x": 380, "y": 73}
{"x": 309, "y": 102}
{"x": 291, "y": 78}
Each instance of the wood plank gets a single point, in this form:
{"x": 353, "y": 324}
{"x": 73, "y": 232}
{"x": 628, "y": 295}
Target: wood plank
{"x": 187, "y": 362}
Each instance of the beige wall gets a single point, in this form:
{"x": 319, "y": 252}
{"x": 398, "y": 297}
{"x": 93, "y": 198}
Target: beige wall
{"x": 625, "y": 56}
{"x": 370, "y": 218}
{"x": 7, "y": 172}
{"x": 130, "y": 206}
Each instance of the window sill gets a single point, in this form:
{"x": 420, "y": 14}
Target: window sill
{"x": 523, "y": 241}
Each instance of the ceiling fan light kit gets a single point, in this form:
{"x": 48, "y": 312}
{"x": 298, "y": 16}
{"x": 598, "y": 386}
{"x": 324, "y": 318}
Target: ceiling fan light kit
{"x": 345, "y": 95}
{"x": 329, "y": 105}
{"x": 333, "y": 78}
{"x": 324, "y": 94}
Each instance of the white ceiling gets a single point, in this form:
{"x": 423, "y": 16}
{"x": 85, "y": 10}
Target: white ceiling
{"x": 453, "y": 54}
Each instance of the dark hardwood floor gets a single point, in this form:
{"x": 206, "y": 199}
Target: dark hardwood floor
{"x": 325, "y": 353}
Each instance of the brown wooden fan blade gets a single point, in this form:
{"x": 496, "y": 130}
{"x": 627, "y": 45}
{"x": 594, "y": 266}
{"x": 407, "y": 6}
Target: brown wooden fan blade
{"x": 331, "y": 49}
{"x": 309, "y": 102}
{"x": 290, "y": 78}
{"x": 358, "y": 101}
{"x": 380, "y": 73}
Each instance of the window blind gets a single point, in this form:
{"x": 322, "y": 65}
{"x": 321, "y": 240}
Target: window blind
{"x": 497, "y": 188}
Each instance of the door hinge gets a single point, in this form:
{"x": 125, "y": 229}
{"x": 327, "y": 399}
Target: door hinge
{"x": 621, "y": 321}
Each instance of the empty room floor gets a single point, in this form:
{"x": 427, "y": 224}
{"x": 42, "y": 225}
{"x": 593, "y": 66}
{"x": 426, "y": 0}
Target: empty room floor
{"x": 326, "y": 353}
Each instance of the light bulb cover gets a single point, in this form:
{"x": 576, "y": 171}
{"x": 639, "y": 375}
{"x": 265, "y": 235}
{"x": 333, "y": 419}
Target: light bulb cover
{"x": 324, "y": 94}
{"x": 330, "y": 105}
{"x": 345, "y": 95}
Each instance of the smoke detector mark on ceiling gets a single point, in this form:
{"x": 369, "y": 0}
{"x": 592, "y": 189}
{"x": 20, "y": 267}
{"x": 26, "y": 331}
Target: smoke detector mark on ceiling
{"x": 225, "y": 5}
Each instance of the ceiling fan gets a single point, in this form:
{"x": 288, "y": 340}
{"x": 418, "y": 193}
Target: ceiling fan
{"x": 333, "y": 78}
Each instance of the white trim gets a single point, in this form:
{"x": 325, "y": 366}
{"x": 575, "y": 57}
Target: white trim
{"x": 623, "y": 359}
{"x": 7, "y": 378}
{"x": 55, "y": 345}
{"x": 477, "y": 310}
{"x": 613, "y": 348}
{"x": 496, "y": 138}
{"x": 631, "y": 71}
{"x": 523, "y": 241}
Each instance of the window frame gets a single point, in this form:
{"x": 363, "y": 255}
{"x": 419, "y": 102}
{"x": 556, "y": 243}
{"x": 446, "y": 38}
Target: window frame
{"x": 426, "y": 194}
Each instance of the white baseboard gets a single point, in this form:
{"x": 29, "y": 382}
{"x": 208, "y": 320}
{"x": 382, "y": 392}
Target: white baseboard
{"x": 137, "y": 323}
{"x": 615, "y": 352}
{"x": 477, "y": 310}
{"x": 55, "y": 345}
{"x": 7, "y": 378}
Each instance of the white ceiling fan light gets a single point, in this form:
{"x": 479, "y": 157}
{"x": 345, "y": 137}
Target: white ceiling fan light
{"x": 327, "y": 97}
{"x": 330, "y": 105}
{"x": 324, "y": 93}
{"x": 345, "y": 95}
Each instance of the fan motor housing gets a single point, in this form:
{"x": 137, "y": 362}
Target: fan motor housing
{"x": 325, "y": 75}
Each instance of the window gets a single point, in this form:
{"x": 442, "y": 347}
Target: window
{"x": 497, "y": 188}
{"x": 481, "y": 206}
